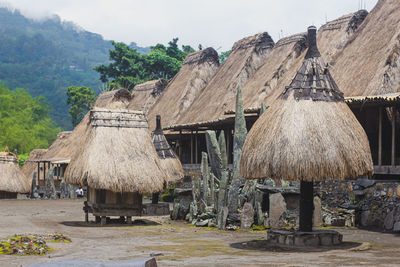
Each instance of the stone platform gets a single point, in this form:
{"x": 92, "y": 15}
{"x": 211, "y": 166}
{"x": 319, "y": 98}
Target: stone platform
{"x": 159, "y": 209}
{"x": 318, "y": 237}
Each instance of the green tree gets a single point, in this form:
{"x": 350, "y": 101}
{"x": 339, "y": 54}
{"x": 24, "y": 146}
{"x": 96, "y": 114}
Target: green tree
{"x": 224, "y": 55}
{"x": 81, "y": 99}
{"x": 25, "y": 123}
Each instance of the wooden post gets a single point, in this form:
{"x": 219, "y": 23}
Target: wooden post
{"x": 306, "y": 206}
{"x": 180, "y": 145}
{"x": 129, "y": 219}
{"x": 393, "y": 135}
{"x": 195, "y": 147}
{"x": 191, "y": 147}
{"x": 154, "y": 198}
{"x": 38, "y": 173}
{"x": 44, "y": 172}
{"x": 380, "y": 137}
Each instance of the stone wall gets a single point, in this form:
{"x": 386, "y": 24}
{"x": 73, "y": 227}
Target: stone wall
{"x": 376, "y": 203}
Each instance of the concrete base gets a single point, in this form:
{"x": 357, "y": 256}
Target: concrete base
{"x": 318, "y": 237}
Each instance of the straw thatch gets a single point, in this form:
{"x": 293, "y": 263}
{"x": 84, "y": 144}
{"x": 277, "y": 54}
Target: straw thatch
{"x": 11, "y": 178}
{"x": 196, "y": 71}
{"x": 169, "y": 160}
{"x": 67, "y": 143}
{"x": 247, "y": 55}
{"x": 308, "y": 133}
{"x": 144, "y": 95}
{"x": 30, "y": 167}
{"x": 369, "y": 63}
{"x": 117, "y": 154}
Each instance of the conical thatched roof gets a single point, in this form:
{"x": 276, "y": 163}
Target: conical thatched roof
{"x": 144, "y": 95}
{"x": 11, "y": 177}
{"x": 169, "y": 161}
{"x": 117, "y": 154}
{"x": 247, "y": 55}
{"x": 197, "y": 69}
{"x": 308, "y": 133}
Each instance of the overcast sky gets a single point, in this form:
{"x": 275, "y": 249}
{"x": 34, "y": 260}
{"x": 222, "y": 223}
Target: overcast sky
{"x": 216, "y": 23}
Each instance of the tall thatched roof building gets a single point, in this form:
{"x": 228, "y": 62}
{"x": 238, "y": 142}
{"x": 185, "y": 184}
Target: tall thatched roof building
{"x": 144, "y": 95}
{"x": 246, "y": 57}
{"x": 196, "y": 71}
{"x": 12, "y": 180}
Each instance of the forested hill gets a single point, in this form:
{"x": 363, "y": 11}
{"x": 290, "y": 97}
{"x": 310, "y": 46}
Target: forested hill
{"x": 45, "y": 57}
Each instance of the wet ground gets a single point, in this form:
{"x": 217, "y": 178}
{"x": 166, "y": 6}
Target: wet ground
{"x": 179, "y": 243}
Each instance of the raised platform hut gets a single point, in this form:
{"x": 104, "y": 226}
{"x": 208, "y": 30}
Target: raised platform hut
{"x": 307, "y": 134}
{"x": 12, "y": 180}
{"x": 118, "y": 163}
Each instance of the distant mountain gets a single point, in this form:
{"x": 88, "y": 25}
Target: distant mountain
{"x": 45, "y": 57}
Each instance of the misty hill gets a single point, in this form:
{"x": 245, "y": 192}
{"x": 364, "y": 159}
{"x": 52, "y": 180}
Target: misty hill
{"x": 45, "y": 57}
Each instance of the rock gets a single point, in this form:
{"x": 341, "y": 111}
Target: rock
{"x": 364, "y": 218}
{"x": 50, "y": 189}
{"x": 311, "y": 241}
{"x": 390, "y": 192}
{"x": 221, "y": 207}
{"x": 277, "y": 206}
{"x": 326, "y": 240}
{"x": 222, "y": 149}
{"x": 388, "y": 223}
{"x": 398, "y": 191}
{"x": 238, "y": 141}
{"x": 214, "y": 153}
{"x": 396, "y": 226}
{"x": 205, "y": 173}
{"x": 260, "y": 214}
{"x": 175, "y": 211}
{"x": 33, "y": 186}
{"x": 202, "y": 223}
{"x": 247, "y": 216}
{"x": 365, "y": 183}
{"x": 317, "y": 216}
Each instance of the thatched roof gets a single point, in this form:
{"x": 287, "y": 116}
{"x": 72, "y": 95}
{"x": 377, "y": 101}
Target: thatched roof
{"x": 144, "y": 95}
{"x": 117, "y": 154}
{"x": 11, "y": 177}
{"x": 308, "y": 133}
{"x": 30, "y": 167}
{"x": 247, "y": 55}
{"x": 169, "y": 161}
{"x": 67, "y": 143}
{"x": 369, "y": 64}
{"x": 196, "y": 71}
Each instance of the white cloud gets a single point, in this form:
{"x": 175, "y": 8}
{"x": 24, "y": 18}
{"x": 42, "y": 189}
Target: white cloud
{"x": 216, "y": 23}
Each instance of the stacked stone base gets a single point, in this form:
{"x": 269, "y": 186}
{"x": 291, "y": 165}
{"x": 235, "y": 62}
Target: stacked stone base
{"x": 318, "y": 237}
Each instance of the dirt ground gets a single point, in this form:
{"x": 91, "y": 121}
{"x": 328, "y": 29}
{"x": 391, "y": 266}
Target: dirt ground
{"x": 179, "y": 243}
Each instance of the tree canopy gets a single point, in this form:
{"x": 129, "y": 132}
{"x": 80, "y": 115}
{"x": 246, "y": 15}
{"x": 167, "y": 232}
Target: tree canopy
{"x": 81, "y": 99}
{"x": 128, "y": 67}
{"x": 25, "y": 123}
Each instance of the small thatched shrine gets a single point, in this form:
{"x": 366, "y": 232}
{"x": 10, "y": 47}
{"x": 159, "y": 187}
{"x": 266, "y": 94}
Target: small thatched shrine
{"x": 307, "y": 134}
{"x": 169, "y": 160}
{"x": 117, "y": 162}
{"x": 12, "y": 180}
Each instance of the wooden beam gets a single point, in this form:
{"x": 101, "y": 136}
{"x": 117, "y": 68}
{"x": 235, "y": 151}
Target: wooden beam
{"x": 38, "y": 173}
{"x": 380, "y": 137}
{"x": 180, "y": 145}
{"x": 393, "y": 135}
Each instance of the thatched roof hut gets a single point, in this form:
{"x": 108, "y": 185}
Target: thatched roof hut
{"x": 169, "y": 161}
{"x": 12, "y": 180}
{"x": 30, "y": 167}
{"x": 117, "y": 154}
{"x": 144, "y": 95}
{"x": 196, "y": 71}
{"x": 308, "y": 133}
{"x": 246, "y": 57}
